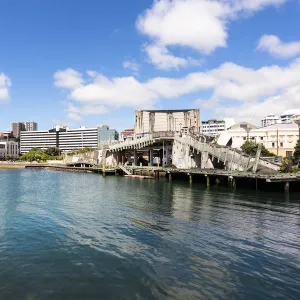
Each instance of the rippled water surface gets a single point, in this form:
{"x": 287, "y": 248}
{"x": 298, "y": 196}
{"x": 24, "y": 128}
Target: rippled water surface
{"x": 82, "y": 236}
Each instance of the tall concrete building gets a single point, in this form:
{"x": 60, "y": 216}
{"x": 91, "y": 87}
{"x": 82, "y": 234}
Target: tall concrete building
{"x": 149, "y": 121}
{"x": 17, "y": 127}
{"x": 31, "y": 126}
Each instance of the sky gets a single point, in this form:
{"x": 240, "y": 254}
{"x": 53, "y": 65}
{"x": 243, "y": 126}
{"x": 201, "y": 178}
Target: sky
{"x": 91, "y": 62}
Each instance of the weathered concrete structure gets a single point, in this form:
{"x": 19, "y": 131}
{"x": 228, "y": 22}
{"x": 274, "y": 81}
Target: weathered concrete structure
{"x": 182, "y": 152}
{"x": 150, "y": 121}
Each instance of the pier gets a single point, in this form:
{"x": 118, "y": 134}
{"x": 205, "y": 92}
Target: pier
{"x": 233, "y": 179}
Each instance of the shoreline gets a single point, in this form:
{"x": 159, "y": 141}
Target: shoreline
{"x": 12, "y": 166}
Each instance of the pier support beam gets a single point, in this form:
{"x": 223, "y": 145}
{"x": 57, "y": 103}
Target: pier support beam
{"x": 135, "y": 157}
{"x": 231, "y": 182}
{"x": 190, "y": 179}
{"x": 157, "y": 174}
{"x": 170, "y": 176}
{"x": 167, "y": 155}
{"x": 151, "y": 157}
{"x": 287, "y": 187}
{"x": 207, "y": 181}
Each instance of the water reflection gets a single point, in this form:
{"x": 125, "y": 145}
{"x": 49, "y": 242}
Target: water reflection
{"x": 82, "y": 236}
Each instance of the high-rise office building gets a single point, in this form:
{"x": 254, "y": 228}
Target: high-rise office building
{"x": 17, "y": 127}
{"x": 31, "y": 126}
{"x": 105, "y": 135}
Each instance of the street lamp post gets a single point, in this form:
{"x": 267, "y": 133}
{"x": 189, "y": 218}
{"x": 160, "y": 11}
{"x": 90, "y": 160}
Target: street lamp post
{"x": 247, "y": 129}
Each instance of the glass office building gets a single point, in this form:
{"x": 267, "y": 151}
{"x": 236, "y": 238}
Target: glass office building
{"x": 106, "y": 135}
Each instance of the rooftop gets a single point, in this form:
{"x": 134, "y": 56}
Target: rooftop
{"x": 291, "y": 112}
{"x": 168, "y": 110}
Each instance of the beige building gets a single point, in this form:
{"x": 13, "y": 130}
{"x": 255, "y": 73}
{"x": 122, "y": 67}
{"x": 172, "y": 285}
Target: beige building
{"x": 279, "y": 138}
{"x": 9, "y": 149}
{"x": 148, "y": 121}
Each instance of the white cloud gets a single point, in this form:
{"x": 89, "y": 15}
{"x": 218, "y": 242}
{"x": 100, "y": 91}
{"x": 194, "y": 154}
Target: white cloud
{"x": 254, "y": 5}
{"x": 161, "y": 57}
{"x": 252, "y": 94}
{"x": 273, "y": 45}
{"x": 233, "y": 90}
{"x": 173, "y": 88}
{"x": 198, "y": 24}
{"x": 76, "y": 113}
{"x": 68, "y": 78}
{"x": 5, "y": 84}
{"x": 74, "y": 116}
{"x": 254, "y": 111}
{"x": 132, "y": 65}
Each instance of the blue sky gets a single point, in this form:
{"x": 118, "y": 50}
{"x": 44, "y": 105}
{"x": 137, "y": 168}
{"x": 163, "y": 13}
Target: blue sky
{"x": 93, "y": 62}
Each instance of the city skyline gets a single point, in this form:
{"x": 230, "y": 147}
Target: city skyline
{"x": 95, "y": 63}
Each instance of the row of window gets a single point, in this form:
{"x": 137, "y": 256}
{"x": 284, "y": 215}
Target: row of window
{"x": 290, "y": 139}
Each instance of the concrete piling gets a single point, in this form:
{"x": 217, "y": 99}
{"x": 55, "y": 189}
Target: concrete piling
{"x": 287, "y": 187}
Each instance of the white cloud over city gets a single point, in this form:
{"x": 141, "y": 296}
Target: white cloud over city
{"x": 201, "y": 25}
{"x": 234, "y": 90}
{"x": 5, "y": 84}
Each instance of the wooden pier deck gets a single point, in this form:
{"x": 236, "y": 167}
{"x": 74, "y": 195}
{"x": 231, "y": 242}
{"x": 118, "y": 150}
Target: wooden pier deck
{"x": 208, "y": 176}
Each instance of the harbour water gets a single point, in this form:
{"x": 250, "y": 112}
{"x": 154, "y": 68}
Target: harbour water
{"x": 83, "y": 236}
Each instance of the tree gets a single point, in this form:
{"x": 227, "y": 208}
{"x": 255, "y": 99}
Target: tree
{"x": 35, "y": 155}
{"x": 250, "y": 148}
{"x": 297, "y": 151}
{"x": 53, "y": 151}
{"x": 287, "y": 166}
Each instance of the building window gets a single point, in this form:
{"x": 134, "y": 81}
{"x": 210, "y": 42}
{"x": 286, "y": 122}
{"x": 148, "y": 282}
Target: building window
{"x": 253, "y": 138}
{"x": 261, "y": 138}
{"x": 244, "y": 138}
{"x": 281, "y": 144}
{"x": 273, "y": 145}
{"x": 289, "y": 153}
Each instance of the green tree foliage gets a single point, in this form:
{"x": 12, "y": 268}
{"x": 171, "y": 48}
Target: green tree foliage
{"x": 53, "y": 151}
{"x": 250, "y": 148}
{"x": 39, "y": 155}
{"x": 80, "y": 151}
{"x": 297, "y": 151}
{"x": 287, "y": 166}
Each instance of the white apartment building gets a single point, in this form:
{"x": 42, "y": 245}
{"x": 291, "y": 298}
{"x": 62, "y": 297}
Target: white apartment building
{"x": 9, "y": 149}
{"x": 279, "y": 138}
{"x": 287, "y": 116}
{"x": 215, "y": 127}
{"x": 63, "y": 138}
{"x": 269, "y": 120}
